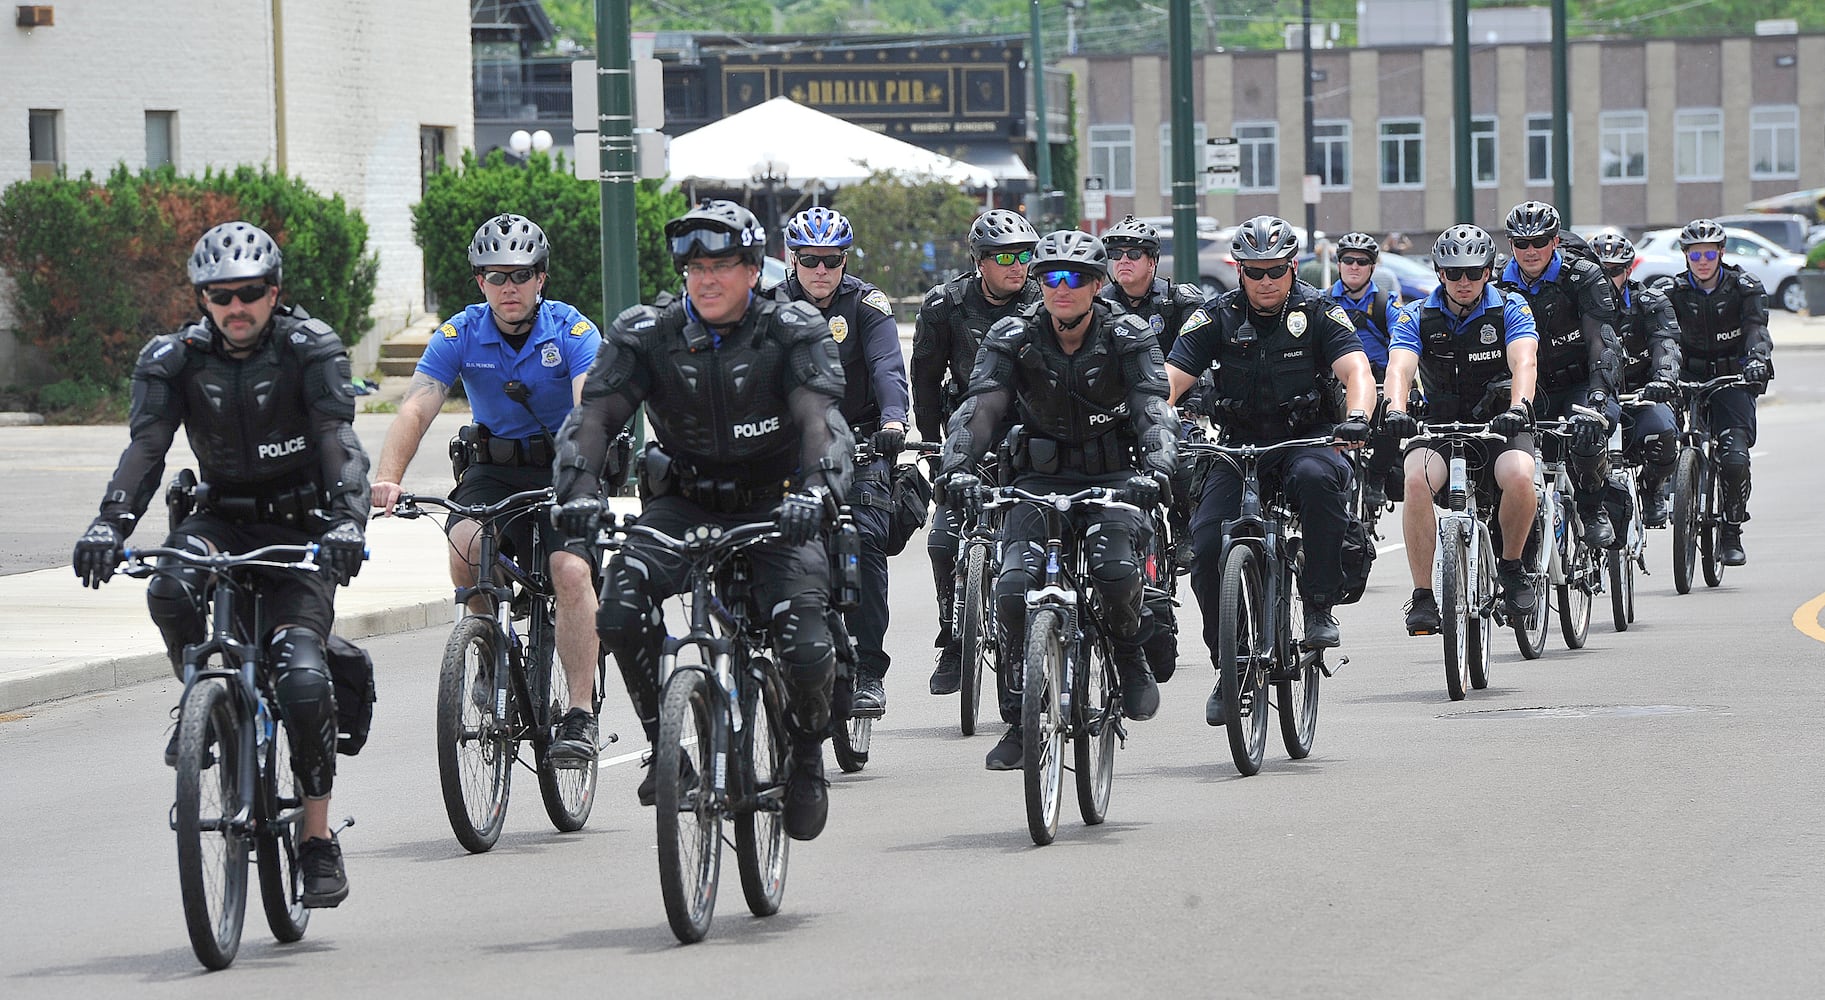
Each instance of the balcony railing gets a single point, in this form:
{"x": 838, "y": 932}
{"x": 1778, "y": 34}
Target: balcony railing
{"x": 513, "y": 99}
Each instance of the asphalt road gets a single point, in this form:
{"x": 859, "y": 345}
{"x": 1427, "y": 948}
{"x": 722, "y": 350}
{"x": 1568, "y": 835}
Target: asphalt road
{"x": 1640, "y": 818}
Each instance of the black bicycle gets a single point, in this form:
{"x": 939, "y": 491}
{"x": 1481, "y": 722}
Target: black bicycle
{"x": 1697, "y": 490}
{"x": 500, "y": 687}
{"x": 235, "y": 787}
{"x": 1261, "y": 556}
{"x": 973, "y": 598}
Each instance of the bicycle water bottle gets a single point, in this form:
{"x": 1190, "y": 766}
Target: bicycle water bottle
{"x": 263, "y": 729}
{"x": 1559, "y": 520}
{"x": 848, "y": 547}
{"x": 1460, "y": 476}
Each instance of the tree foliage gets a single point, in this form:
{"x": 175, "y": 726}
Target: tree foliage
{"x": 895, "y": 217}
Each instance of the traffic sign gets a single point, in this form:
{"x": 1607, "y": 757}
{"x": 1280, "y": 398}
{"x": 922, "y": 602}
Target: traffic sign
{"x": 1222, "y": 165}
{"x": 1096, "y": 200}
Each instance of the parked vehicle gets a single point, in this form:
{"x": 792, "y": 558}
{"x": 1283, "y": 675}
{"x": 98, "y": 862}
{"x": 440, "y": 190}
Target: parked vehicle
{"x": 1789, "y": 232}
{"x": 1657, "y": 253}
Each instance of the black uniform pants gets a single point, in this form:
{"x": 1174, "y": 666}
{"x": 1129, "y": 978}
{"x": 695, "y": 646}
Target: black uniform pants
{"x": 1590, "y": 470}
{"x": 868, "y": 622}
{"x": 1731, "y": 416}
{"x": 942, "y": 540}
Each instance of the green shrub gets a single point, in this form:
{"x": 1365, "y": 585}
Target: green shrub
{"x": 98, "y": 269}
{"x": 544, "y": 190}
{"x": 1815, "y": 258}
{"x": 894, "y": 217}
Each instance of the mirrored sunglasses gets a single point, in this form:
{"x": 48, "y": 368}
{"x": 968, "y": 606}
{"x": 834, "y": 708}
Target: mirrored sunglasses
{"x": 518, "y": 276}
{"x": 1701, "y": 254}
{"x": 1010, "y": 259}
{"x": 813, "y": 261}
{"x": 1069, "y": 279}
{"x": 247, "y": 293}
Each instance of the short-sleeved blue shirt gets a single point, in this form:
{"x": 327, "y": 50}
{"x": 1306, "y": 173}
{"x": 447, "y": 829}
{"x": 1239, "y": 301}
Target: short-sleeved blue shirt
{"x": 1516, "y": 315}
{"x": 561, "y": 346}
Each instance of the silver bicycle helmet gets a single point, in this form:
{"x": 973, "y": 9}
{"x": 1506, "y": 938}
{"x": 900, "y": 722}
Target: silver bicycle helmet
{"x": 1359, "y": 241}
{"x": 1463, "y": 246}
{"x": 1701, "y": 231}
{"x": 1612, "y": 248}
{"x": 509, "y": 240}
{"x": 1000, "y": 229}
{"x": 235, "y": 251}
{"x": 1532, "y": 218}
{"x": 1264, "y": 237}
{"x": 1132, "y": 232}
{"x": 1069, "y": 250}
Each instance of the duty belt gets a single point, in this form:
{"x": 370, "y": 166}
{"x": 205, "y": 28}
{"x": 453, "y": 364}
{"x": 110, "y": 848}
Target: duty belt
{"x": 289, "y": 506}
{"x": 510, "y": 451}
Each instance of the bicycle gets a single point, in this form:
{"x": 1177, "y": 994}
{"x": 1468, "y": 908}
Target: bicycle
{"x": 851, "y": 733}
{"x": 1463, "y": 565}
{"x": 1570, "y": 565}
{"x": 235, "y": 787}
{"x": 1070, "y": 692}
{"x": 1621, "y": 562}
{"x": 1697, "y": 490}
{"x": 499, "y": 687}
{"x": 973, "y": 598}
{"x": 1260, "y": 558}
{"x": 722, "y": 749}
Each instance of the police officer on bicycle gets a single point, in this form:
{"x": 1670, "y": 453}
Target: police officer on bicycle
{"x": 1136, "y": 287}
{"x": 950, "y": 326}
{"x": 1574, "y": 310}
{"x": 1277, "y": 342}
{"x": 1371, "y": 310}
{"x": 1723, "y": 330}
{"x": 875, "y": 401}
{"x": 262, "y": 391}
{"x": 742, "y": 397}
{"x": 1650, "y": 350}
{"x": 522, "y": 359}
{"x": 1475, "y": 350}
{"x": 1088, "y": 390}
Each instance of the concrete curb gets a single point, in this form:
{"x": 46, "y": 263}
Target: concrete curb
{"x": 19, "y": 418}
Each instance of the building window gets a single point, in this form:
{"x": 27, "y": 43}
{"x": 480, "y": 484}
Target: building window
{"x": 45, "y": 156}
{"x": 161, "y": 139}
{"x": 1483, "y": 152}
{"x": 1774, "y": 143}
{"x": 1197, "y": 159}
{"x": 1112, "y": 157}
{"x": 1698, "y": 145}
{"x": 1540, "y": 147}
{"x": 1403, "y": 153}
{"x": 1260, "y": 145}
{"x": 1332, "y": 141}
{"x": 1622, "y": 150}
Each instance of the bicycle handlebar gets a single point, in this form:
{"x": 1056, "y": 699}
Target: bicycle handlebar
{"x": 134, "y": 562}
{"x": 1255, "y": 450}
{"x": 1711, "y": 385}
{"x": 1094, "y": 496}
{"x": 1456, "y": 430}
{"x": 702, "y": 540}
{"x": 408, "y": 505}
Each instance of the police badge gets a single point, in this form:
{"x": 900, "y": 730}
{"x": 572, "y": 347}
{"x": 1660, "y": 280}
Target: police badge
{"x": 1295, "y": 324}
{"x": 839, "y": 328}
{"x": 550, "y": 357}
{"x": 1487, "y": 333}
{"x": 1157, "y": 323}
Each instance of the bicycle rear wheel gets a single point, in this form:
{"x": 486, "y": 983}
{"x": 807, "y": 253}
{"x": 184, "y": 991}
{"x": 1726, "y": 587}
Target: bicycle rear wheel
{"x": 475, "y": 747}
{"x": 1479, "y": 615}
{"x": 1710, "y": 524}
{"x": 849, "y": 741}
{"x": 276, "y": 847}
{"x": 1575, "y": 595}
{"x": 1297, "y": 699}
{"x": 1621, "y": 571}
{"x": 1042, "y": 723}
{"x": 761, "y": 844}
{"x": 211, "y": 840}
{"x": 1687, "y": 504}
{"x": 1531, "y": 629}
{"x": 569, "y": 792}
{"x": 975, "y": 632}
{"x": 1242, "y": 648}
{"x": 689, "y": 817}
{"x": 1456, "y": 616}
{"x": 1093, "y": 711}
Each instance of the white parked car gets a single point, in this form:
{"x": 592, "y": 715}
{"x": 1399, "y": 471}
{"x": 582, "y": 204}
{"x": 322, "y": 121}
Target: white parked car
{"x": 1657, "y": 253}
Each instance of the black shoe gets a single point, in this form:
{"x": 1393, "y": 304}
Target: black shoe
{"x": 949, "y": 675}
{"x": 575, "y": 745}
{"x": 171, "y": 747}
{"x": 1517, "y": 593}
{"x": 1597, "y": 530}
{"x": 1008, "y": 755}
{"x": 1730, "y": 545}
{"x": 1140, "y": 692}
{"x": 1162, "y": 649}
{"x": 1422, "y": 613}
{"x": 1213, "y": 706}
{"x": 325, "y": 883}
{"x": 1655, "y": 510}
{"x": 807, "y": 793}
{"x": 869, "y": 700}
{"x": 1320, "y": 628}
{"x": 647, "y": 792}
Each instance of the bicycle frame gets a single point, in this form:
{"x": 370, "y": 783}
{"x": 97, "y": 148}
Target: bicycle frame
{"x": 1462, "y": 517}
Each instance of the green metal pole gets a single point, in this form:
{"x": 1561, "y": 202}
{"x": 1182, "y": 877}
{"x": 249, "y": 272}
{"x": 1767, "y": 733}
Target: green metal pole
{"x": 1460, "y": 111}
{"x": 1185, "y": 157}
{"x": 1562, "y": 169}
{"x": 615, "y": 130}
{"x": 1042, "y": 131}
{"x": 1311, "y": 140}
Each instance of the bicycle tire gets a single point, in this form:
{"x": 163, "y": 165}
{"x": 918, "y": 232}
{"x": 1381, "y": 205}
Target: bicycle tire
{"x": 569, "y": 793}
{"x": 1575, "y": 596}
{"x": 690, "y": 852}
{"x": 1479, "y": 638}
{"x": 211, "y": 854}
{"x": 1710, "y": 545}
{"x": 276, "y": 847}
{"x": 1241, "y": 642}
{"x": 1296, "y": 700}
{"x": 1531, "y": 629}
{"x": 1621, "y": 572}
{"x": 1042, "y": 723}
{"x": 1686, "y": 504}
{"x": 761, "y": 845}
{"x": 978, "y": 645}
{"x": 1454, "y": 612}
{"x": 1094, "y": 707}
{"x": 475, "y": 751}
{"x": 850, "y": 740}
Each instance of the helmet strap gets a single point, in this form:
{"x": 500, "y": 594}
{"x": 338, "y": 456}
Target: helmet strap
{"x": 982, "y": 286}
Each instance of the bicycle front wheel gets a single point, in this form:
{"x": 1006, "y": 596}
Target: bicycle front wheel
{"x": 1093, "y": 716}
{"x": 276, "y": 847}
{"x": 974, "y": 633}
{"x": 761, "y": 844}
{"x": 1456, "y": 616}
{"x": 849, "y": 741}
{"x": 1479, "y": 614}
{"x": 689, "y": 816}
{"x": 475, "y": 747}
{"x": 1711, "y": 522}
{"x": 1621, "y": 571}
{"x": 1687, "y": 506}
{"x": 1575, "y": 596}
{"x": 1243, "y": 649}
{"x": 210, "y": 813}
{"x": 1042, "y": 723}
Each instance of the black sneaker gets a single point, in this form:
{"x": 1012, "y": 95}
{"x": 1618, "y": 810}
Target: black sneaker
{"x": 1517, "y": 593}
{"x": 1009, "y": 754}
{"x": 647, "y": 792}
{"x": 1320, "y": 628}
{"x": 325, "y": 883}
{"x": 1730, "y": 545}
{"x": 1213, "y": 706}
{"x": 1597, "y": 530}
{"x": 1140, "y": 692}
{"x": 807, "y": 793}
{"x": 949, "y": 675}
{"x": 1655, "y": 509}
{"x": 575, "y": 745}
{"x": 1422, "y": 613}
{"x": 869, "y": 700}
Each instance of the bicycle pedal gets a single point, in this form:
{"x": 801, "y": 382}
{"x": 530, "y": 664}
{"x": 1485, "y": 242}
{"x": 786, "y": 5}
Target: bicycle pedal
{"x": 867, "y": 713}
{"x": 1330, "y": 669}
{"x": 1423, "y": 631}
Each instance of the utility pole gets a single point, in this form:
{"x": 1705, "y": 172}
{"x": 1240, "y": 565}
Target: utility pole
{"x": 1460, "y": 109}
{"x": 615, "y": 101}
{"x": 1562, "y": 167}
{"x": 1041, "y": 129}
{"x": 1186, "y": 160}
{"x": 1311, "y": 138}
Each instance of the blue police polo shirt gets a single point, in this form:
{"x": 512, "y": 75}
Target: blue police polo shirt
{"x": 561, "y": 346}
{"x": 1516, "y": 315}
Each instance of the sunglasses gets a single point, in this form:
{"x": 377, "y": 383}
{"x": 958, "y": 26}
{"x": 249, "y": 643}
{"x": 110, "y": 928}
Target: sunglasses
{"x": 249, "y": 293}
{"x": 1274, "y": 273}
{"x": 1534, "y": 243}
{"x": 518, "y": 276}
{"x": 1010, "y": 259}
{"x": 1357, "y": 261}
{"x": 1069, "y": 279}
{"x": 1615, "y": 269}
{"x": 709, "y": 241}
{"x": 1701, "y": 254}
{"x": 832, "y": 261}
{"x": 1133, "y": 254}
{"x": 1460, "y": 273}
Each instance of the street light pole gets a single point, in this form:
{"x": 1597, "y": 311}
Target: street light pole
{"x": 769, "y": 172}
{"x": 1185, "y": 158}
{"x": 1562, "y": 170}
{"x": 615, "y": 101}
{"x": 1311, "y": 137}
{"x": 1460, "y": 109}
{"x": 1041, "y": 129}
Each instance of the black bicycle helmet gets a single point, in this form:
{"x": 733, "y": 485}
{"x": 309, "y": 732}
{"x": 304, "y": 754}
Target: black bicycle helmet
{"x": 509, "y": 240}
{"x": 1612, "y": 248}
{"x": 1701, "y": 231}
{"x": 1000, "y": 229}
{"x": 716, "y": 228}
{"x": 1359, "y": 241}
{"x": 1463, "y": 246}
{"x": 1264, "y": 237}
{"x": 1069, "y": 250}
{"x": 1532, "y": 218}
{"x": 235, "y": 251}
{"x": 1132, "y": 232}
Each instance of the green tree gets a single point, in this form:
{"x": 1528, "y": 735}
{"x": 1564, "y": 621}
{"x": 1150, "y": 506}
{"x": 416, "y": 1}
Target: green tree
{"x": 894, "y": 217}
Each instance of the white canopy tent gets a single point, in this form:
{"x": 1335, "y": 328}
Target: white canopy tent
{"x": 812, "y": 147}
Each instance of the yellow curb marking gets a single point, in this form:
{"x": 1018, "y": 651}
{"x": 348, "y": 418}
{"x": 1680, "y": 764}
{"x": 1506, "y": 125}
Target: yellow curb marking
{"x": 1806, "y": 618}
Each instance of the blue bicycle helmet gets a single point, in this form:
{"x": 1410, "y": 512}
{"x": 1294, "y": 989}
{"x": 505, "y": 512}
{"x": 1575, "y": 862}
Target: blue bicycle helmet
{"x": 819, "y": 227}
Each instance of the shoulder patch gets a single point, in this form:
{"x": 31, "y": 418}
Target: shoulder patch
{"x": 1007, "y": 330}
{"x": 933, "y": 298}
{"x": 878, "y": 300}
{"x": 637, "y": 317}
{"x": 1526, "y": 310}
{"x": 448, "y": 330}
{"x": 1132, "y": 332}
{"x": 1338, "y": 316}
{"x": 1198, "y": 318}
{"x": 581, "y": 327}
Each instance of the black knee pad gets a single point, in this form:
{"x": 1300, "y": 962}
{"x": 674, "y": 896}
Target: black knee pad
{"x": 307, "y": 702}
{"x": 177, "y": 598}
{"x": 627, "y": 623}
{"x": 807, "y": 659}
{"x": 1733, "y": 454}
{"x": 1660, "y": 450}
{"x": 1117, "y": 577}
